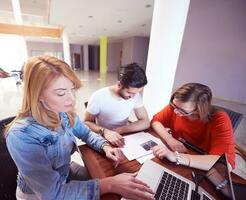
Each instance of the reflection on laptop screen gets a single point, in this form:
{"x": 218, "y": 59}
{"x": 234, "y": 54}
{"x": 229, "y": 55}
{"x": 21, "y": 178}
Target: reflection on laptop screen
{"x": 219, "y": 175}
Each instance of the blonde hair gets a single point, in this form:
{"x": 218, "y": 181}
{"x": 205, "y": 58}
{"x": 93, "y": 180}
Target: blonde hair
{"x": 39, "y": 72}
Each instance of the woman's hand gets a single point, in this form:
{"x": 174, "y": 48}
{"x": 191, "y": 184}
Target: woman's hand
{"x": 114, "y": 154}
{"x": 126, "y": 185}
{"x": 161, "y": 151}
{"x": 176, "y": 145}
{"x": 114, "y": 138}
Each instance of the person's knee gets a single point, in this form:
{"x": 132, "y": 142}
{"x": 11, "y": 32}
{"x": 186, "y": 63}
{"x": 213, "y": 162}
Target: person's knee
{"x": 78, "y": 172}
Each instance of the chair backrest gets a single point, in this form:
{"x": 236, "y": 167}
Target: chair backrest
{"x": 8, "y": 169}
{"x": 86, "y": 103}
{"x": 235, "y": 117}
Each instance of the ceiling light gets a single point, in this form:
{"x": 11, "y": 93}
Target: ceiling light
{"x": 148, "y": 6}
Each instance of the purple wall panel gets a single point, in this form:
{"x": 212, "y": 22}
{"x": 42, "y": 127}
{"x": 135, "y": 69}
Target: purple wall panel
{"x": 213, "y": 51}
{"x": 113, "y": 59}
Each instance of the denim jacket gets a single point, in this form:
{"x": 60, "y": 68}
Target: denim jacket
{"x": 43, "y": 161}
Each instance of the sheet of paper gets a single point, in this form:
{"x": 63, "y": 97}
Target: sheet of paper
{"x": 139, "y": 144}
{"x": 142, "y": 159}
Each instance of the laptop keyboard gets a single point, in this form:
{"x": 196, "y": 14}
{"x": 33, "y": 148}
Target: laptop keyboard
{"x": 171, "y": 187}
{"x": 205, "y": 197}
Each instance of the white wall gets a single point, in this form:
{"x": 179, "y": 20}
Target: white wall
{"x": 43, "y": 46}
{"x": 168, "y": 25}
{"x": 12, "y": 52}
{"x": 213, "y": 51}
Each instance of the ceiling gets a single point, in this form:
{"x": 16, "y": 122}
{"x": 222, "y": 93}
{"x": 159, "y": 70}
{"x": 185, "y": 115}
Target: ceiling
{"x": 85, "y": 20}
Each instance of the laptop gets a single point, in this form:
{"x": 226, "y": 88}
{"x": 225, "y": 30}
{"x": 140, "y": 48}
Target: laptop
{"x": 219, "y": 175}
{"x": 169, "y": 185}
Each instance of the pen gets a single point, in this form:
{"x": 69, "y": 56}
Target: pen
{"x": 116, "y": 164}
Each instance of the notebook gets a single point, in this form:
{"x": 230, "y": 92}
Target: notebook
{"x": 169, "y": 185}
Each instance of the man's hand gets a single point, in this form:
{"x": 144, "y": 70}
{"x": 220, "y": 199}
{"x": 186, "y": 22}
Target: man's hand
{"x": 114, "y": 138}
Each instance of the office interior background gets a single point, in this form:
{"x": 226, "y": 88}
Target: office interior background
{"x": 193, "y": 41}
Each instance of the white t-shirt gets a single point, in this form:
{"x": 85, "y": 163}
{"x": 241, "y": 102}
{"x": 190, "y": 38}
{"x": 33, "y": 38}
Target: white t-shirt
{"x": 110, "y": 111}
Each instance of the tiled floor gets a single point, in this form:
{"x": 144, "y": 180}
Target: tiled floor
{"x": 11, "y": 94}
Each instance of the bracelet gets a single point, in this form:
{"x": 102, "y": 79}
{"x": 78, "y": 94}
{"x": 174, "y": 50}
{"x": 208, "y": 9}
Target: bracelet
{"x": 189, "y": 160}
{"x": 170, "y": 132}
{"x": 178, "y": 158}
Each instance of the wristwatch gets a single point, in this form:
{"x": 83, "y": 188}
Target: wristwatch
{"x": 101, "y": 131}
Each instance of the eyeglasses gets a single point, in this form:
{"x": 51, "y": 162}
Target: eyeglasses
{"x": 180, "y": 110}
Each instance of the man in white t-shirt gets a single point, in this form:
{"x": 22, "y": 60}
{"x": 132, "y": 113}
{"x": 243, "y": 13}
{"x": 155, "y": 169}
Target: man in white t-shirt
{"x": 109, "y": 108}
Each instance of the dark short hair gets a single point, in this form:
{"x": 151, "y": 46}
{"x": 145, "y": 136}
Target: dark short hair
{"x": 132, "y": 75}
{"x": 199, "y": 94}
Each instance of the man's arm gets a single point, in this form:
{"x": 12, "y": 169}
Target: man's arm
{"x": 142, "y": 122}
{"x": 90, "y": 121}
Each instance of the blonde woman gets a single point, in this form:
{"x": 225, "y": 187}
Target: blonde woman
{"x": 42, "y": 138}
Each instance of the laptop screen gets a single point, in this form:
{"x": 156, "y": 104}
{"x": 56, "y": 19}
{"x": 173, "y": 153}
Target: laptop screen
{"x": 220, "y": 177}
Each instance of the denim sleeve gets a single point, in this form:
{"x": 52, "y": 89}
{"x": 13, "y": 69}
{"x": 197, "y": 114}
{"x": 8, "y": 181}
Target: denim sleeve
{"x": 81, "y": 131}
{"x": 33, "y": 163}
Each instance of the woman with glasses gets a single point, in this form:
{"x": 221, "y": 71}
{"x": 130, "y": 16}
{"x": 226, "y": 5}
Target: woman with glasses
{"x": 191, "y": 117}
